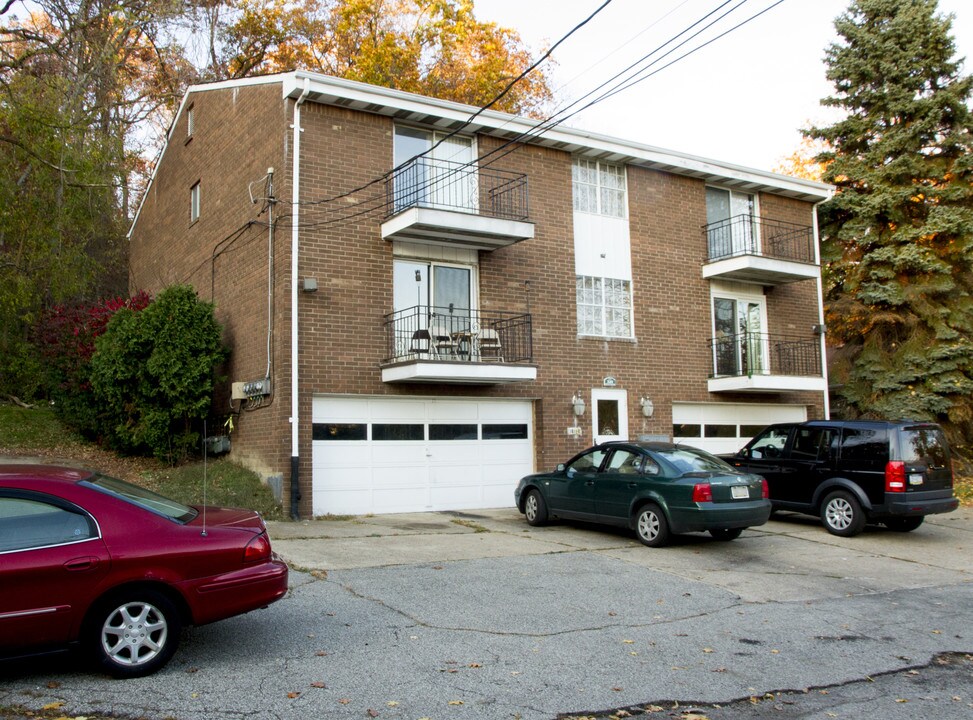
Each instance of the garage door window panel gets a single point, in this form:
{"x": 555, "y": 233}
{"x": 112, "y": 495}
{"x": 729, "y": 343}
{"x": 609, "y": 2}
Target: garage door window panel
{"x": 400, "y": 432}
{"x": 515, "y": 431}
{"x": 460, "y": 431}
{"x": 339, "y": 431}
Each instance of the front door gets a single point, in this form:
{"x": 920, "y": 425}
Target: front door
{"x": 609, "y": 415}
{"x": 739, "y": 341}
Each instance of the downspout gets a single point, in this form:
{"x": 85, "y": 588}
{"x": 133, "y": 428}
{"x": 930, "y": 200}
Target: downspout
{"x": 295, "y": 234}
{"x": 823, "y": 334}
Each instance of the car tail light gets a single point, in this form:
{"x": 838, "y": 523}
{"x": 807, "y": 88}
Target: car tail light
{"x": 257, "y": 549}
{"x": 702, "y": 492}
{"x": 764, "y": 489}
{"x": 895, "y": 476}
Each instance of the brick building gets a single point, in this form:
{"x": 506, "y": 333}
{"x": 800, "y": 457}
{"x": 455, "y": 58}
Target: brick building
{"x": 420, "y": 339}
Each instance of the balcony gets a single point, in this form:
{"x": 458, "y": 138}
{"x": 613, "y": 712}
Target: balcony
{"x": 762, "y": 363}
{"x": 758, "y": 250}
{"x": 448, "y": 203}
{"x": 457, "y": 345}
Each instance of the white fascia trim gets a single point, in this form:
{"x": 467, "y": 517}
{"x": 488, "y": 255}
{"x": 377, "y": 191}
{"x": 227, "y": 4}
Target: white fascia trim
{"x": 293, "y": 84}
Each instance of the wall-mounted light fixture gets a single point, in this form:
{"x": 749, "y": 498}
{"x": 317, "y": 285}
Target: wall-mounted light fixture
{"x": 577, "y": 404}
{"x": 309, "y": 284}
{"x": 647, "y": 406}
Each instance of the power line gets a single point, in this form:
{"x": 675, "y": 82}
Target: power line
{"x": 628, "y": 79}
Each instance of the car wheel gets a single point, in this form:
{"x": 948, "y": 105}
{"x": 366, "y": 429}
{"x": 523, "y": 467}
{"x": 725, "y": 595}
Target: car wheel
{"x": 135, "y": 633}
{"x": 651, "y": 526}
{"x": 842, "y": 514}
{"x": 726, "y": 533}
{"x": 904, "y": 524}
{"x": 535, "y": 508}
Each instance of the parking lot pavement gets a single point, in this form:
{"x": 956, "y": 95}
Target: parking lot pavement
{"x": 478, "y": 616}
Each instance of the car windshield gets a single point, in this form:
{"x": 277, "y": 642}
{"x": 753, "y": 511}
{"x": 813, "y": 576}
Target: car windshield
{"x": 147, "y": 499}
{"x": 688, "y": 460}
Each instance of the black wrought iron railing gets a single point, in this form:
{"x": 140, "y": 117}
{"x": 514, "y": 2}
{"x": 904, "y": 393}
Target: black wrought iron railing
{"x": 461, "y": 187}
{"x": 748, "y": 354}
{"x": 451, "y": 334}
{"x": 754, "y": 235}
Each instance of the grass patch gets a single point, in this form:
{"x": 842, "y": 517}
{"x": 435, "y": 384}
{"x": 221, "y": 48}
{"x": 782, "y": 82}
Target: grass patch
{"x": 227, "y": 485}
{"x": 37, "y": 428}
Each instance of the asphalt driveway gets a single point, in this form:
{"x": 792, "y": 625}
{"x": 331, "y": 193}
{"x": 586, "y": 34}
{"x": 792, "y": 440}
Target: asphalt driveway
{"x": 477, "y": 615}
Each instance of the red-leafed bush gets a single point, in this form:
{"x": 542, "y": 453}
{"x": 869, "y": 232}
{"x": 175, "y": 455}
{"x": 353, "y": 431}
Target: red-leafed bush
{"x": 66, "y": 340}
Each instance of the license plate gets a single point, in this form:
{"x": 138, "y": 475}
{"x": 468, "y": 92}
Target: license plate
{"x": 916, "y": 479}
{"x": 740, "y": 492}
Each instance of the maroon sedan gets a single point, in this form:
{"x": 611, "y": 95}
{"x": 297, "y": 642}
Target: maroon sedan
{"x": 89, "y": 559}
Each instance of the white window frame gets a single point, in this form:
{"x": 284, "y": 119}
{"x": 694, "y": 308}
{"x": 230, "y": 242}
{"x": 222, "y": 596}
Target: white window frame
{"x": 194, "y": 203}
{"x": 600, "y": 325}
{"x": 598, "y": 189}
{"x": 190, "y": 122}
{"x": 742, "y": 295}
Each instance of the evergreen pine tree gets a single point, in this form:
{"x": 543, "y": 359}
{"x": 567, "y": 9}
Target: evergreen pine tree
{"x": 898, "y": 235}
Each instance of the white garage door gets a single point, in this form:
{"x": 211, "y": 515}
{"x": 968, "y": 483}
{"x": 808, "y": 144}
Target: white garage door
{"x": 386, "y": 455}
{"x": 727, "y": 427}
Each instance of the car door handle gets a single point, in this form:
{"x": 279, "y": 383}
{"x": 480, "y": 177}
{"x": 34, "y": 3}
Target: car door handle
{"x": 633, "y": 485}
{"x": 589, "y": 482}
{"x": 81, "y": 563}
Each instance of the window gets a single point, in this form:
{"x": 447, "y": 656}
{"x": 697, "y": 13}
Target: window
{"x": 339, "y": 431}
{"x": 26, "y": 524}
{"x": 599, "y": 188}
{"x": 730, "y": 223}
{"x": 434, "y": 170}
{"x": 604, "y": 306}
{"x": 398, "y": 431}
{"x": 194, "y": 203}
{"x": 190, "y": 123}
{"x": 740, "y": 345}
{"x": 589, "y": 462}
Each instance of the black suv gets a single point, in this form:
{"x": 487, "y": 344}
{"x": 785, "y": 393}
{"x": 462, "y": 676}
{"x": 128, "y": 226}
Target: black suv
{"x": 853, "y": 472}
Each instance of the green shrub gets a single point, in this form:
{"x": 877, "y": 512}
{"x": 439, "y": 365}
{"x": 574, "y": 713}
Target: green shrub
{"x": 153, "y": 374}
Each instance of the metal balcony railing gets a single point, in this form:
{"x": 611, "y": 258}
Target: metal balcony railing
{"x": 451, "y": 334}
{"x": 749, "y": 354}
{"x": 754, "y": 235}
{"x": 460, "y": 187}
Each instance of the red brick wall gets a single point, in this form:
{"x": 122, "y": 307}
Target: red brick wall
{"x": 342, "y": 338}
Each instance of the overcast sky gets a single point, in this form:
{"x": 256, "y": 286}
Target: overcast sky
{"x": 741, "y": 99}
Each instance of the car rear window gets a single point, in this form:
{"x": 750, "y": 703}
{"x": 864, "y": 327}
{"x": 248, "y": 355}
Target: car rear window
{"x": 924, "y": 445}
{"x": 688, "y": 460}
{"x": 153, "y": 502}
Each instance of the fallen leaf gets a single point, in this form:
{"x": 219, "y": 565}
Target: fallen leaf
{"x": 628, "y": 642}
{"x": 474, "y": 665}
{"x": 612, "y": 614}
{"x": 320, "y": 574}
{"x": 937, "y": 632}
{"x": 192, "y": 670}
{"x": 775, "y": 652}
{"x": 293, "y": 695}
{"x": 901, "y": 700}
{"x": 318, "y": 684}
{"x": 707, "y": 650}
{"x": 654, "y": 708}
{"x": 320, "y": 653}
{"x": 372, "y": 713}
{"x": 53, "y": 684}
{"x": 344, "y": 701}
{"x": 455, "y": 702}
{"x": 617, "y": 689}
{"x": 392, "y": 703}
{"x": 53, "y": 706}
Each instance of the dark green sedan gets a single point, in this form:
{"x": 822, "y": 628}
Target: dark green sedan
{"x": 657, "y": 489}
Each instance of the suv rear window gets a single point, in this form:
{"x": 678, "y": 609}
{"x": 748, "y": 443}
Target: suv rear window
{"x": 924, "y": 445}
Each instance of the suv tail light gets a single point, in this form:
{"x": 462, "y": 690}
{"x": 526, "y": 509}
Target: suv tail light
{"x": 895, "y": 476}
{"x": 765, "y": 489}
{"x": 257, "y": 549}
{"x": 702, "y": 492}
